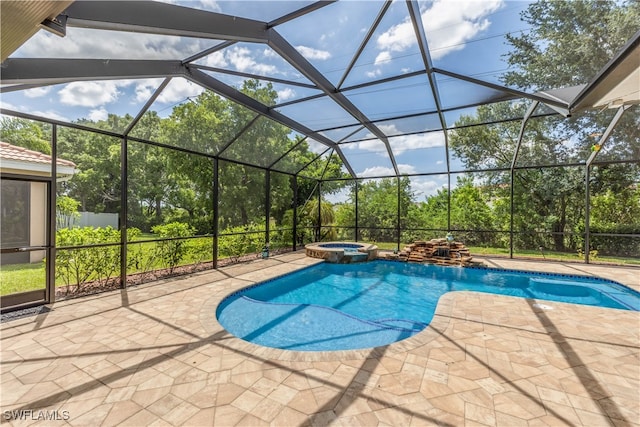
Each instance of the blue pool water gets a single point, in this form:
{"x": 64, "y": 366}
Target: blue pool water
{"x": 350, "y": 306}
{"x": 340, "y": 245}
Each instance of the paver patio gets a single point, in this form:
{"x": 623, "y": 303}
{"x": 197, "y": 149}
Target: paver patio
{"x": 154, "y": 354}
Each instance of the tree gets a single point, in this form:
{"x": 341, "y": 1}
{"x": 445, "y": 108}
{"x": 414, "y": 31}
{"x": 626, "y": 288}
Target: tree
{"x": 66, "y": 211}
{"x": 149, "y": 176}
{"x": 96, "y": 185}
{"x": 377, "y": 208}
{"x": 214, "y": 125}
{"x": 308, "y": 217}
{"x": 569, "y": 41}
{"x": 470, "y": 211}
{"x": 568, "y": 44}
{"x": 25, "y": 133}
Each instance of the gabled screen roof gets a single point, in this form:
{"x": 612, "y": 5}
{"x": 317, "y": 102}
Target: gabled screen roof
{"x": 378, "y": 84}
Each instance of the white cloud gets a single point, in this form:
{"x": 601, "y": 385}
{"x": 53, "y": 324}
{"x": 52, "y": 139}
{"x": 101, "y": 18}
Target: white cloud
{"x": 377, "y": 171}
{"x": 179, "y": 90}
{"x": 399, "y": 37}
{"x": 100, "y": 44}
{"x": 448, "y": 26}
{"x": 399, "y": 144}
{"x": 50, "y": 115}
{"x": 240, "y": 58}
{"x": 211, "y": 5}
{"x": 143, "y": 91}
{"x": 98, "y": 114}
{"x": 89, "y": 94}
{"x": 386, "y": 171}
{"x": 286, "y": 93}
{"x": 37, "y": 92}
{"x": 341, "y": 196}
{"x": 268, "y": 53}
{"x": 406, "y": 169}
{"x": 455, "y": 26}
{"x": 8, "y": 106}
{"x": 216, "y": 59}
{"x": 403, "y": 143}
{"x": 311, "y": 53}
{"x": 375, "y": 73}
{"x": 383, "y": 57}
{"x": 372, "y": 145}
{"x": 423, "y": 186}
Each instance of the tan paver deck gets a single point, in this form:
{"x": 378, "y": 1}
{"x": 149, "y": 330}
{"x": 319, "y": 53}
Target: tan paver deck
{"x": 155, "y": 355}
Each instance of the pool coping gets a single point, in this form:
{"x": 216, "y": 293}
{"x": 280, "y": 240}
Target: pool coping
{"x": 337, "y": 253}
{"x": 436, "y": 327}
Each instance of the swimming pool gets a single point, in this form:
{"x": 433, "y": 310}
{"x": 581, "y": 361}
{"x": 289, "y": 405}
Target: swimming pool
{"x": 352, "y": 306}
{"x": 342, "y": 252}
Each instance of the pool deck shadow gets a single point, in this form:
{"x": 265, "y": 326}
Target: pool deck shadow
{"x": 154, "y": 354}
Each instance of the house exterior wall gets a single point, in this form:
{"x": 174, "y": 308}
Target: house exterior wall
{"x": 38, "y": 219}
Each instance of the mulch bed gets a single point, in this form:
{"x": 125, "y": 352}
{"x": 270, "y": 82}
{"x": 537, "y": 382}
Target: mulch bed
{"x": 91, "y": 288}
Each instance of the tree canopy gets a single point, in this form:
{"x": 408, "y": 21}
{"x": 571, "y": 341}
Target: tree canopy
{"x": 567, "y": 44}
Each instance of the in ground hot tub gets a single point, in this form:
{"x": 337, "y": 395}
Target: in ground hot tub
{"x": 342, "y": 252}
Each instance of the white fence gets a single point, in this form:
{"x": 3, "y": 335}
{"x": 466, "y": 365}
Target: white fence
{"x": 89, "y": 219}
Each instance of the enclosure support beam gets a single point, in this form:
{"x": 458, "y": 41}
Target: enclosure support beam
{"x": 525, "y": 119}
{"x": 267, "y": 206}
{"x": 312, "y": 161}
{"x": 398, "y": 217}
{"x": 233, "y": 94}
{"x": 364, "y": 42}
{"x": 559, "y": 106}
{"x": 319, "y": 228}
{"x": 421, "y": 36}
{"x": 47, "y": 71}
{"x": 587, "y": 211}
{"x": 50, "y": 289}
{"x": 253, "y": 76}
{"x": 448, "y": 202}
{"x": 300, "y": 63}
{"x": 166, "y": 19}
{"x": 295, "y": 213}
{"x": 124, "y": 184}
{"x": 238, "y": 135}
{"x": 300, "y": 12}
{"x": 216, "y": 216}
{"x": 286, "y": 153}
{"x": 356, "y": 209}
{"x": 209, "y": 51}
{"x": 146, "y": 106}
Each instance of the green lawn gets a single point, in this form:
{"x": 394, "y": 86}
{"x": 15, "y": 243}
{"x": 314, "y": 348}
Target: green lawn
{"x": 551, "y": 255}
{"x": 26, "y": 277}
{"x": 22, "y": 278}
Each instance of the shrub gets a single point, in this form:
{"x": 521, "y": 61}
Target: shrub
{"x": 241, "y": 240}
{"x": 97, "y": 265}
{"x": 614, "y": 245}
{"x": 172, "y": 252}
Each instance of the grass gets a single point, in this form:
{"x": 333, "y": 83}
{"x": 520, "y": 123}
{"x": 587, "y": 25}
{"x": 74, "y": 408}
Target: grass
{"x": 22, "y": 277}
{"x": 27, "y": 277}
{"x": 552, "y": 255}
{"x": 523, "y": 253}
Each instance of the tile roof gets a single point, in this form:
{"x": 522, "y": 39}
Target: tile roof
{"x": 12, "y": 152}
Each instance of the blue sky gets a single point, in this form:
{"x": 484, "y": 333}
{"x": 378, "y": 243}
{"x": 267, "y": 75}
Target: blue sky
{"x": 466, "y": 37}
